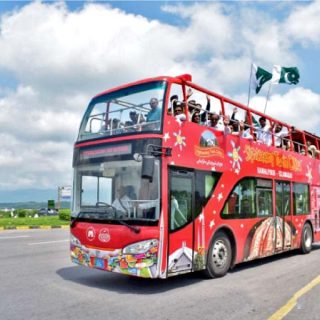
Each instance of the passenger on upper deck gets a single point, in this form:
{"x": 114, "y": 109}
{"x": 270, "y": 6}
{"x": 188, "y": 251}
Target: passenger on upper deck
{"x": 312, "y": 149}
{"x": 196, "y": 117}
{"x": 279, "y": 133}
{"x": 173, "y": 101}
{"x": 114, "y": 126}
{"x": 214, "y": 123}
{"x": 178, "y": 111}
{"x": 244, "y": 130}
{"x": 155, "y": 112}
{"x": 234, "y": 122}
{"x": 191, "y": 107}
{"x": 263, "y": 132}
{"x": 194, "y": 106}
{"x": 132, "y": 125}
{"x": 136, "y": 118}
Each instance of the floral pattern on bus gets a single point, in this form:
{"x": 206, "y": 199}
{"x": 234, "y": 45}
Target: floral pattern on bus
{"x": 236, "y": 158}
{"x": 142, "y": 265}
{"x": 309, "y": 173}
{"x": 180, "y": 140}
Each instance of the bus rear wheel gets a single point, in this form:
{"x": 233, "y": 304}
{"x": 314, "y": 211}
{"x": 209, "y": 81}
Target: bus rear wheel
{"x": 306, "y": 238}
{"x": 219, "y": 256}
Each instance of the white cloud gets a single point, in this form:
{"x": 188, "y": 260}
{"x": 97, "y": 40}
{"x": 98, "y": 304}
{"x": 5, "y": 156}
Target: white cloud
{"x": 298, "y": 107}
{"x": 303, "y": 24}
{"x": 61, "y": 58}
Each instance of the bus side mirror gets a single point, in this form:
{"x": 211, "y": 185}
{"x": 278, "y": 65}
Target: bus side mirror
{"x": 147, "y": 167}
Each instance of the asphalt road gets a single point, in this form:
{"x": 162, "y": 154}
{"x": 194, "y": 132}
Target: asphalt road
{"x": 38, "y": 281}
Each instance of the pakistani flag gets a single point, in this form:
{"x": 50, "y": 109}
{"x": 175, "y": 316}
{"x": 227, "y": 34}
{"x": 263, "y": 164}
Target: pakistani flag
{"x": 285, "y": 75}
{"x": 259, "y": 78}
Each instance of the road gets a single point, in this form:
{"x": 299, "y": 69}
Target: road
{"x": 38, "y": 281}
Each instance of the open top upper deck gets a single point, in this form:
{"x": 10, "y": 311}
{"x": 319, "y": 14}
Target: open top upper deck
{"x": 144, "y": 106}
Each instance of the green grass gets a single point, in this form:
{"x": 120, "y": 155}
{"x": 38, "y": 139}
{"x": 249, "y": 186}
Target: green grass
{"x": 41, "y": 221}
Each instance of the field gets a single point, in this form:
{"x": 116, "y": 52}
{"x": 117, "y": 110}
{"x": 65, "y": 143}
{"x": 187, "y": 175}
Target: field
{"x": 28, "y": 220}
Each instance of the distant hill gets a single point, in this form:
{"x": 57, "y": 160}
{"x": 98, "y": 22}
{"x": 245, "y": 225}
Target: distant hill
{"x": 31, "y": 205}
{"x": 21, "y": 195}
{"x": 30, "y": 198}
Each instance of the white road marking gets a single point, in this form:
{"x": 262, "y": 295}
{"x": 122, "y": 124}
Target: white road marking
{"x": 47, "y": 242}
{"x": 13, "y": 237}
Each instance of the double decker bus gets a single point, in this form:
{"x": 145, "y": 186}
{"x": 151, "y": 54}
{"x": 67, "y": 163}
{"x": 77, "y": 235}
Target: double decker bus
{"x": 156, "y": 194}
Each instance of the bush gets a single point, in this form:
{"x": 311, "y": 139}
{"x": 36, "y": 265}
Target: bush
{"x": 65, "y": 214}
{"x": 5, "y": 214}
{"x": 32, "y": 212}
{"x": 21, "y": 213}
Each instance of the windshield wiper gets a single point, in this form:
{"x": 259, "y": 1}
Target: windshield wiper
{"x": 133, "y": 228}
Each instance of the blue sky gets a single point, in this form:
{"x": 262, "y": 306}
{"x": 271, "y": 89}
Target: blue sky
{"x": 56, "y": 55}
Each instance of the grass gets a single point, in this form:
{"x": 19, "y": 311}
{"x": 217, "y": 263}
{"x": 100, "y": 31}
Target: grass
{"x": 33, "y": 222}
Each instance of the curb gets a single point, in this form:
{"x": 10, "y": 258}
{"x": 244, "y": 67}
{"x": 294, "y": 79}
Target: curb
{"x": 33, "y": 227}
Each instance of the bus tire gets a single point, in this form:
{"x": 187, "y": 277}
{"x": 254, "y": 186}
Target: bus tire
{"x": 306, "y": 238}
{"x": 219, "y": 256}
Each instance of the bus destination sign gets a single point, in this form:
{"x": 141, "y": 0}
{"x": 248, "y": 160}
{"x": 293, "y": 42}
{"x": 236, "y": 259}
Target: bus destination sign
{"x": 109, "y": 151}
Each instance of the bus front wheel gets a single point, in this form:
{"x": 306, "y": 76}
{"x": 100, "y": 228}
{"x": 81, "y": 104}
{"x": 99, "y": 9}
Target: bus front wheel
{"x": 306, "y": 238}
{"x": 219, "y": 256}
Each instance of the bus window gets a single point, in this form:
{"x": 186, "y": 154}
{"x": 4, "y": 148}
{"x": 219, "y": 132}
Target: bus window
{"x": 251, "y": 197}
{"x": 180, "y": 201}
{"x": 241, "y": 201}
{"x": 301, "y": 198}
{"x": 116, "y": 190}
{"x": 95, "y": 189}
{"x": 133, "y": 109}
{"x": 264, "y": 202}
{"x": 283, "y": 198}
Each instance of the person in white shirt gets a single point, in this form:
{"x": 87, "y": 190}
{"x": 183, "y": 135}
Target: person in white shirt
{"x": 279, "y": 133}
{"x": 122, "y": 201}
{"x": 175, "y": 209}
{"x": 263, "y": 132}
{"x": 244, "y": 131}
{"x": 215, "y": 124}
{"x": 178, "y": 112}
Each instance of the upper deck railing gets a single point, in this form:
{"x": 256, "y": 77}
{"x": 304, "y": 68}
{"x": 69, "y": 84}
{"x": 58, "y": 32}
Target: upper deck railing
{"x": 128, "y": 110}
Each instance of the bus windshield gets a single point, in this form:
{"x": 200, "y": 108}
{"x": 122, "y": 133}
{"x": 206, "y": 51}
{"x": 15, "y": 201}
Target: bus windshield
{"x": 131, "y": 110}
{"x": 115, "y": 190}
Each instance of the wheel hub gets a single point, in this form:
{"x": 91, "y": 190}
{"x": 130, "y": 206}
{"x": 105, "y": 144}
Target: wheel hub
{"x": 219, "y": 254}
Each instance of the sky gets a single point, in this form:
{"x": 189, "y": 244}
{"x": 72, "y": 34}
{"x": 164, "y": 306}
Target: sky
{"x": 55, "y": 56}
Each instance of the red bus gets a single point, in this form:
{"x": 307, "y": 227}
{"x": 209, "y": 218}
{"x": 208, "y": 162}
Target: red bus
{"x": 158, "y": 194}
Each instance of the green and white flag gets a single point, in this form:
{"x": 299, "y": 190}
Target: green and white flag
{"x": 259, "y": 77}
{"x": 285, "y": 75}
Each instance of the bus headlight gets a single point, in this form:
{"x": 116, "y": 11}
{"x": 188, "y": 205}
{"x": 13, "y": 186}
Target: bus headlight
{"x": 140, "y": 247}
{"x": 75, "y": 241}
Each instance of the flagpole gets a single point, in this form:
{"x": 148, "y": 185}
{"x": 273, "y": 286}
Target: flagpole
{"x": 265, "y": 107}
{"x": 249, "y": 90}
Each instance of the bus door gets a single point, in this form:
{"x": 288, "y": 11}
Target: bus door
{"x": 283, "y": 218}
{"x": 181, "y": 208}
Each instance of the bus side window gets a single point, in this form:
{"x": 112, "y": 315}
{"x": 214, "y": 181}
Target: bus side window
{"x": 301, "y": 198}
{"x": 264, "y": 202}
{"x": 241, "y": 201}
